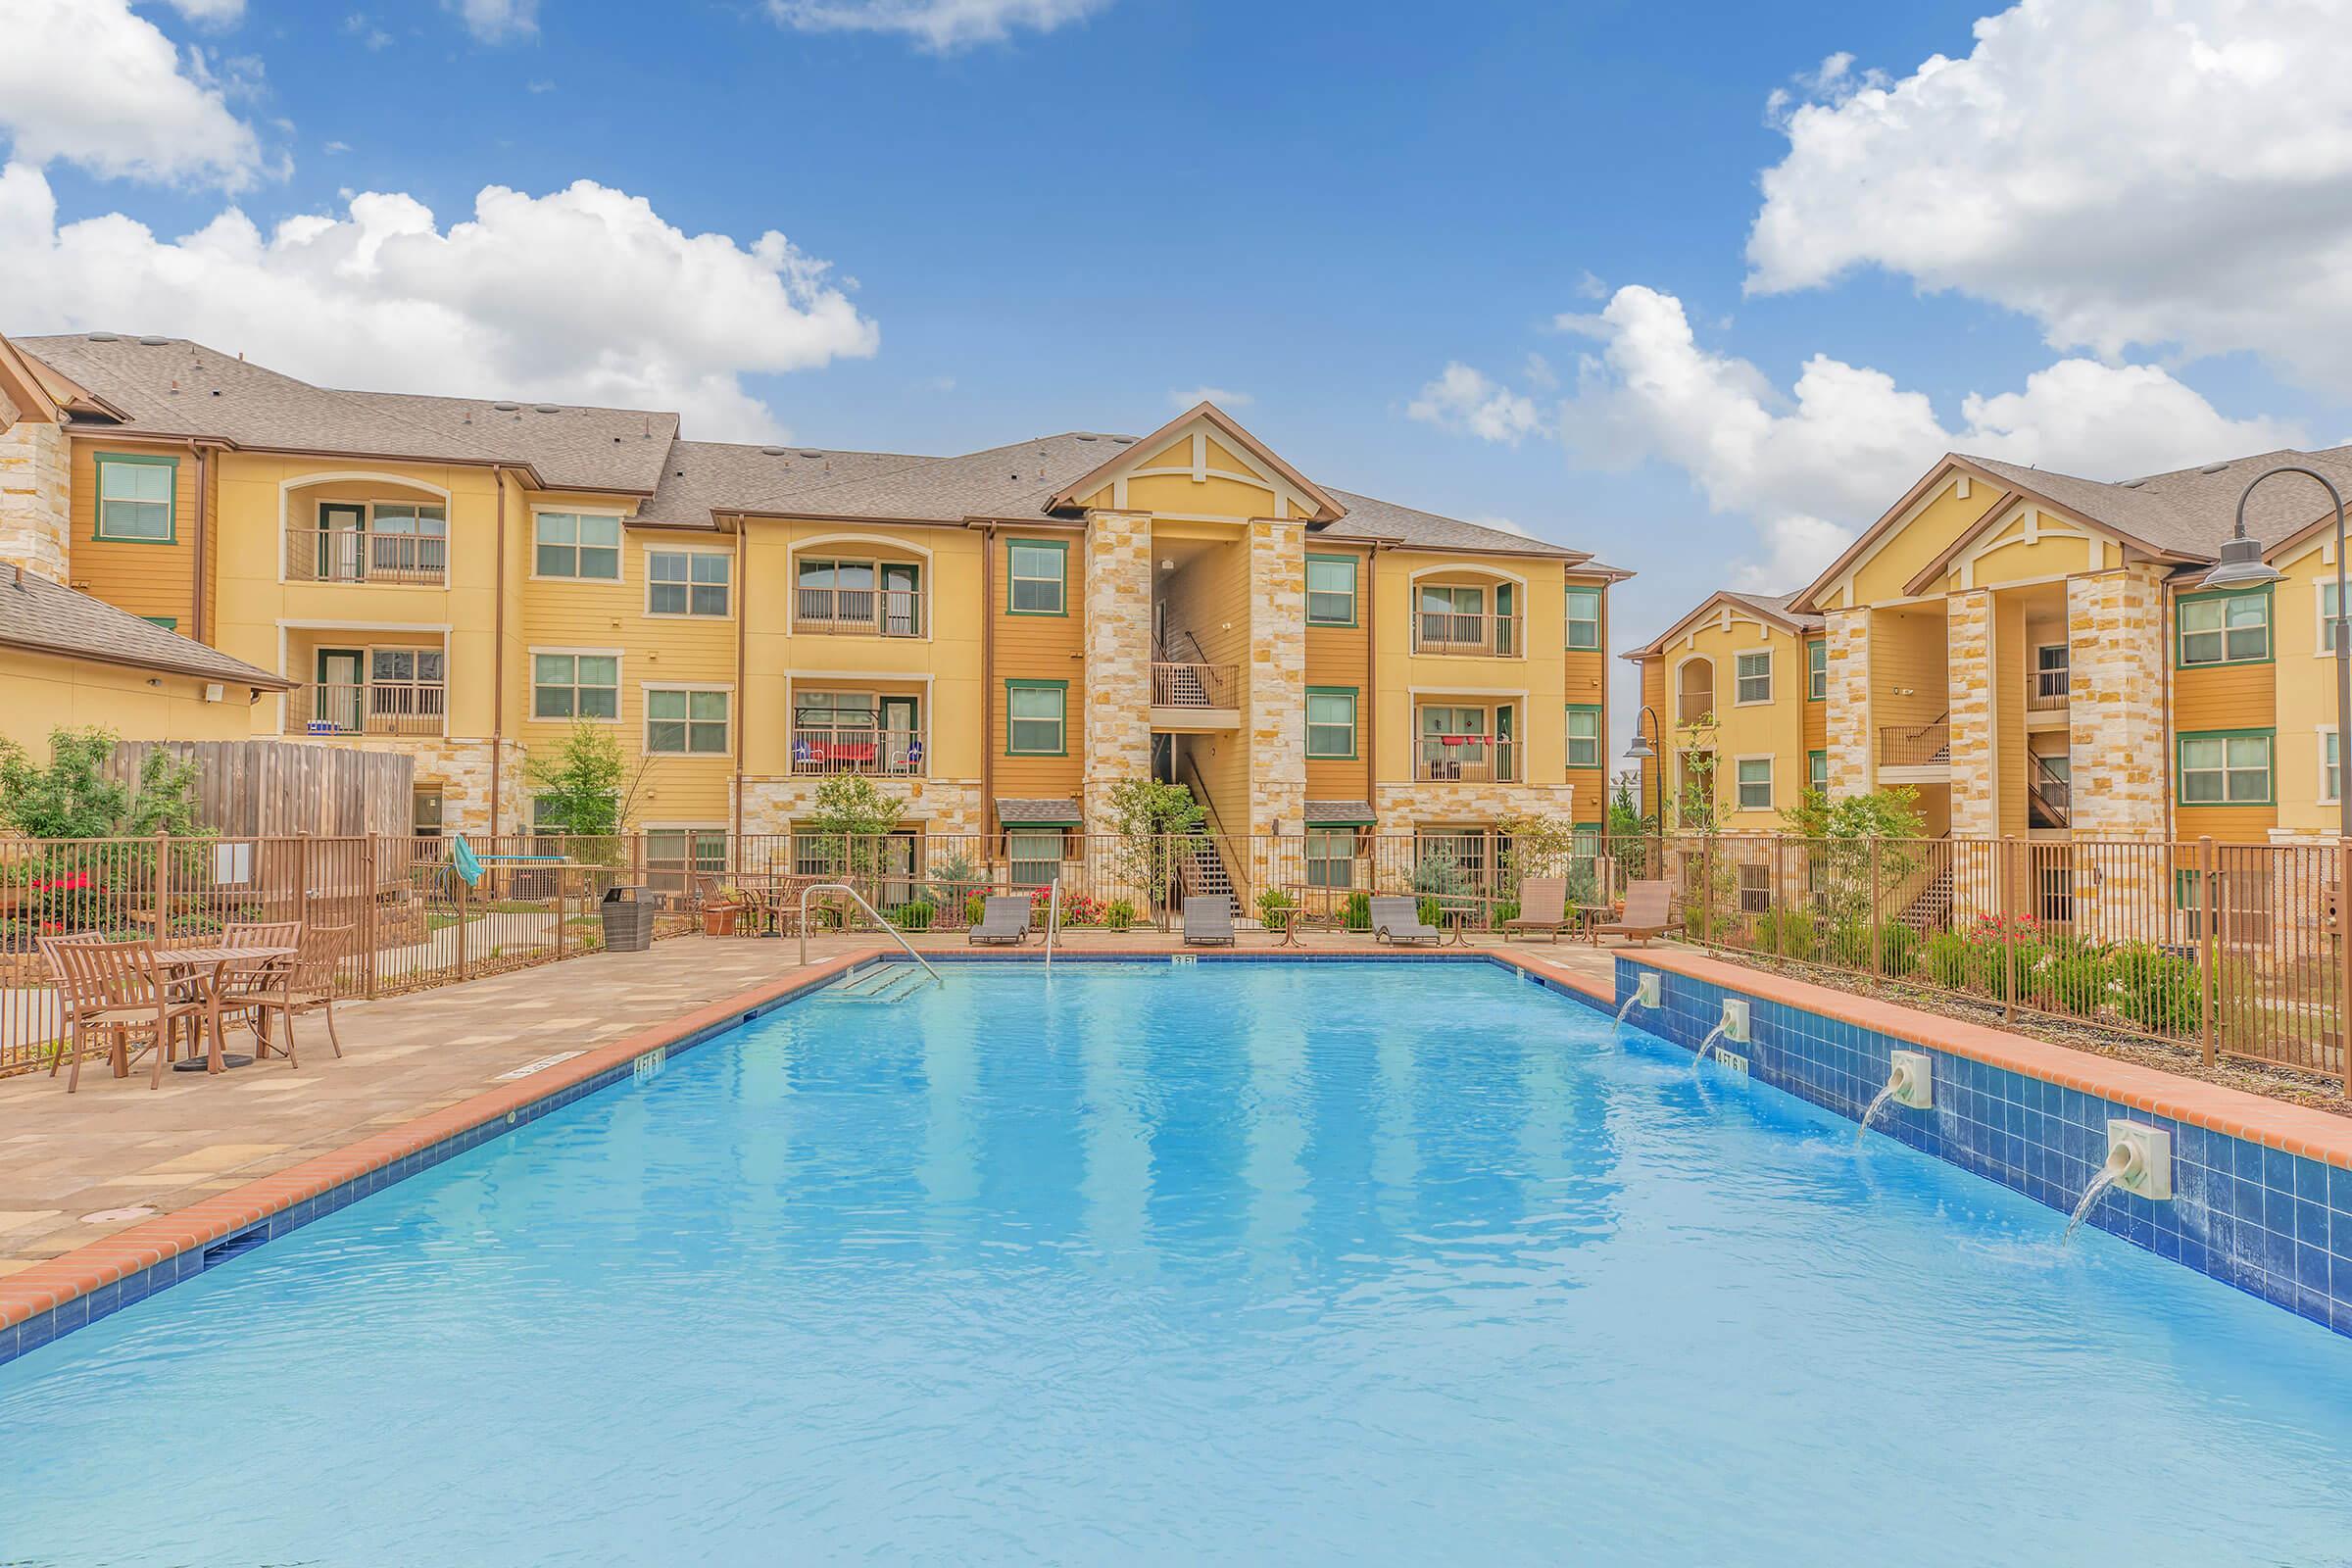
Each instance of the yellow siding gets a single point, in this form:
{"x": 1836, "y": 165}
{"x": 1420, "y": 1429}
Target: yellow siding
{"x": 1585, "y": 679}
{"x": 1907, "y": 669}
{"x": 1209, "y": 598}
{"x": 147, "y": 580}
{"x": 1902, "y": 554}
{"x": 1341, "y": 656}
{"x": 46, "y": 693}
{"x": 1040, "y": 648}
{"x": 1774, "y": 729}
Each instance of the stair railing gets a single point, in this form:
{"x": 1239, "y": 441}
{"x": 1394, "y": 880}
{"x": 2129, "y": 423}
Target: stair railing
{"x": 859, "y": 898}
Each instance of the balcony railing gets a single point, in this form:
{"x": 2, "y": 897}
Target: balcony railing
{"x": 1466, "y": 759}
{"x": 1444, "y": 631}
{"x": 1915, "y": 745}
{"x": 858, "y": 611}
{"x": 378, "y": 707}
{"x": 358, "y": 555}
{"x": 2046, "y": 690}
{"x": 1195, "y": 685}
{"x": 818, "y": 749}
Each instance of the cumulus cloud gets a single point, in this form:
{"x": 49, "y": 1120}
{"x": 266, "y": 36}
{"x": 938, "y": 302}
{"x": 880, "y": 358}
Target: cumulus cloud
{"x": 497, "y": 20}
{"x": 1465, "y": 399}
{"x": 87, "y": 82}
{"x": 940, "y": 25}
{"x": 1502, "y": 525}
{"x": 585, "y": 294}
{"x": 212, "y": 13}
{"x": 2124, "y": 173}
{"x": 1181, "y": 399}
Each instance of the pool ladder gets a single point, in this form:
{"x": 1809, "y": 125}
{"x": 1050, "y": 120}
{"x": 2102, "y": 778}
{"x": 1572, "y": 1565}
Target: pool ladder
{"x": 1052, "y": 922}
{"x": 859, "y": 898}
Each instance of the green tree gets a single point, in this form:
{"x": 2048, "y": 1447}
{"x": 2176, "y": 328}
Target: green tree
{"x": 1629, "y": 829}
{"x": 584, "y": 786}
{"x": 1148, "y": 817}
{"x": 1696, "y": 808}
{"x": 71, "y": 797}
{"x": 851, "y": 816}
{"x": 1860, "y": 845}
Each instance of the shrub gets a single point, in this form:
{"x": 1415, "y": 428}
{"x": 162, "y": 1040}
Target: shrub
{"x": 1898, "y": 949}
{"x": 1273, "y": 904}
{"x": 1505, "y": 911}
{"x": 1118, "y": 914}
{"x": 1357, "y": 915}
{"x": 1428, "y": 909}
{"x": 2076, "y": 978}
{"x": 1945, "y": 959}
{"x": 1847, "y": 945}
{"x": 975, "y": 904}
{"x": 916, "y": 917}
{"x": 1789, "y": 933}
{"x": 2156, "y": 991}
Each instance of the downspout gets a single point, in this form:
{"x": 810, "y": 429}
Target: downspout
{"x": 498, "y": 654}
{"x": 743, "y": 620}
{"x": 198, "y": 621}
{"x": 1370, "y": 715}
{"x": 988, "y": 685}
{"x": 2166, "y": 609}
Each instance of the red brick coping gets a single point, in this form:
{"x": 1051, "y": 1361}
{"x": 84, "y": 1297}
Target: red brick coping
{"x": 2274, "y": 1123}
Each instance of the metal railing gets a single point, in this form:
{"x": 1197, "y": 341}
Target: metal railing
{"x": 370, "y": 707}
{"x": 360, "y": 555}
{"x": 1915, "y": 745}
{"x": 2047, "y": 690}
{"x": 1446, "y": 631}
{"x": 1189, "y": 685}
{"x": 859, "y": 898}
{"x": 2053, "y": 793}
{"x": 1465, "y": 760}
{"x": 826, "y": 749}
{"x": 858, "y": 611}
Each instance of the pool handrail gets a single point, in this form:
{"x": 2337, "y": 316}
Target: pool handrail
{"x": 897, "y": 936}
{"x": 1052, "y": 922}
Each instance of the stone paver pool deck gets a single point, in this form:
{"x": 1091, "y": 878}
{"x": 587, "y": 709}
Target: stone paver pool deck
{"x": 78, "y": 1168}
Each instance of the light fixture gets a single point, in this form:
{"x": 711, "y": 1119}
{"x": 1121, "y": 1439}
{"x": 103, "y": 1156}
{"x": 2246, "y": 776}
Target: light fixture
{"x": 2241, "y": 565}
{"x": 1641, "y": 750}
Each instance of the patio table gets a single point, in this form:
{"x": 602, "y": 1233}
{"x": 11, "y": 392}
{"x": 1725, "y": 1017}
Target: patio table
{"x": 207, "y": 967}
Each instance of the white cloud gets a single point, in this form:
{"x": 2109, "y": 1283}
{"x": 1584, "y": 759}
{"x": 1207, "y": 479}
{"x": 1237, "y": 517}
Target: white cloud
{"x": 1503, "y": 525}
{"x": 1464, "y": 399}
{"x": 497, "y": 20}
{"x": 941, "y": 25}
{"x": 582, "y": 295}
{"x": 358, "y": 26}
{"x": 1813, "y": 466}
{"x": 211, "y": 12}
{"x": 1181, "y": 399}
{"x": 2124, "y": 173}
{"x": 338, "y": 146}
{"x": 86, "y": 82}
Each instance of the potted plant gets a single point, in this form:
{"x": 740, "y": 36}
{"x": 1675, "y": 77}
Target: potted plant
{"x": 721, "y": 914}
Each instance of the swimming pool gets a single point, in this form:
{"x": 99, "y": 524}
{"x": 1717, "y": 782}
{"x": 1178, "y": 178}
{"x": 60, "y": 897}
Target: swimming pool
{"x": 1296, "y": 1261}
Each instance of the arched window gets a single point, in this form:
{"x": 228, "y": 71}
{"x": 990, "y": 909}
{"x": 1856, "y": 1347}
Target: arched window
{"x": 1693, "y": 691}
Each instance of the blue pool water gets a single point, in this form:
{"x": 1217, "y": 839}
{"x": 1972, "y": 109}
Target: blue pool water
{"x": 1270, "y": 1263}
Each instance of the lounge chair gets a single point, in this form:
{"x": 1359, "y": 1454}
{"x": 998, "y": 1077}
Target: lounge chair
{"x": 1003, "y": 921}
{"x": 1543, "y": 906}
{"x": 1648, "y": 912}
{"x": 1207, "y": 921}
{"x": 1396, "y": 920}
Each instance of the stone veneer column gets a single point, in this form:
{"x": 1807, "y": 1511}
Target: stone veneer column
{"x": 1975, "y": 802}
{"x": 36, "y": 499}
{"x": 1275, "y": 717}
{"x": 2115, "y": 735}
{"x": 1118, "y": 679}
{"x": 1851, "y": 738}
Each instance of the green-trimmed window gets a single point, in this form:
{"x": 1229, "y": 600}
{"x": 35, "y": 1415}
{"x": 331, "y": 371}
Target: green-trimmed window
{"x": 2226, "y": 628}
{"x": 135, "y": 496}
{"x": 1330, "y": 856}
{"x": 1755, "y": 783}
{"x": 1035, "y": 853}
{"x": 1817, "y": 772}
{"x": 686, "y": 723}
{"x": 576, "y": 544}
{"x": 1583, "y": 735}
{"x": 2226, "y": 767}
{"x": 575, "y": 686}
{"x": 1331, "y": 722}
{"x": 1037, "y": 577}
{"x": 1817, "y": 671}
{"x": 1331, "y": 589}
{"x": 1036, "y": 714}
{"x": 1584, "y": 618}
{"x": 168, "y": 622}
{"x": 687, "y": 582}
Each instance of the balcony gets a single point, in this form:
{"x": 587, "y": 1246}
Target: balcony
{"x": 378, "y": 707}
{"x": 1466, "y": 759}
{"x": 819, "y": 751}
{"x": 1916, "y": 754}
{"x": 1458, "y": 633}
{"x": 858, "y": 611}
{"x": 1195, "y": 698}
{"x": 365, "y": 556}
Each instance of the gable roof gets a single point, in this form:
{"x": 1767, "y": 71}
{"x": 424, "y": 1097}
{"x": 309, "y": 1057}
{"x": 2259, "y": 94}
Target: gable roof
{"x": 1776, "y": 610}
{"x": 1388, "y": 523}
{"x": 1326, "y": 508}
{"x": 702, "y": 480}
{"x": 48, "y": 618}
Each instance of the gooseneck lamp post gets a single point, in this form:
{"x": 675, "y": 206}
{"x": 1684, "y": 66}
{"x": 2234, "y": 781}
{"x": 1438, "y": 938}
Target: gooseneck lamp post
{"x": 1643, "y": 749}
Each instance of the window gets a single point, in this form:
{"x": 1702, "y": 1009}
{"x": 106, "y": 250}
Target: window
{"x": 1584, "y": 618}
{"x": 2053, "y": 664}
{"x": 2331, "y": 767}
{"x": 425, "y": 803}
{"x": 1589, "y": 843}
{"x": 1452, "y": 619}
{"x": 1695, "y": 691}
{"x": 1037, "y": 577}
{"x": 1331, "y": 722}
{"x": 1752, "y": 679}
{"x": 1817, "y": 671}
{"x": 1330, "y": 856}
{"x": 168, "y": 622}
{"x": 1034, "y": 718}
{"x": 672, "y": 852}
{"x": 687, "y": 582}
{"x": 2226, "y": 628}
{"x": 1583, "y": 735}
{"x": 135, "y": 496}
{"x": 2055, "y": 885}
{"x": 575, "y": 686}
{"x": 1331, "y": 589}
{"x": 546, "y": 820}
{"x": 2226, "y": 768}
{"x": 1755, "y": 889}
{"x": 1755, "y": 783}
{"x": 686, "y": 723}
{"x": 2328, "y": 614}
{"x": 577, "y": 544}
{"x": 2241, "y": 904}
{"x": 1817, "y": 772}
{"x": 1035, "y": 853}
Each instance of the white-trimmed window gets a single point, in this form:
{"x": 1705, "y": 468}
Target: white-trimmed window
{"x": 576, "y": 544}
{"x": 2332, "y": 768}
{"x": 1037, "y": 577}
{"x": 2327, "y": 616}
{"x": 1752, "y": 678}
{"x": 1584, "y": 618}
{"x": 687, "y": 582}
{"x": 1817, "y": 669}
{"x": 685, "y": 722}
{"x": 1754, "y": 776}
{"x": 2226, "y": 628}
{"x": 1583, "y": 737}
{"x": 135, "y": 496}
{"x": 1330, "y": 856}
{"x": 575, "y": 686}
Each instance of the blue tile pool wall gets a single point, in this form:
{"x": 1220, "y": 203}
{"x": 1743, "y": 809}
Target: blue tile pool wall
{"x": 2273, "y": 1224}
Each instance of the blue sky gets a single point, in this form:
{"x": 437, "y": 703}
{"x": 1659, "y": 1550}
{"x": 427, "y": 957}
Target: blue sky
{"x": 1071, "y": 212}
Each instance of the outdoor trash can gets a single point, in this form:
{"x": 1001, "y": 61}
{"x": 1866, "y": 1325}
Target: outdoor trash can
{"x": 628, "y": 919}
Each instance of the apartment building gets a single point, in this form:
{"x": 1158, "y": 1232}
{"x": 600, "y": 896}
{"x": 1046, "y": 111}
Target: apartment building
{"x": 2038, "y": 655}
{"x": 996, "y": 637}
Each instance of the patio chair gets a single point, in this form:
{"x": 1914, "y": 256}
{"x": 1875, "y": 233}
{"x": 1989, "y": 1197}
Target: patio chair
{"x": 134, "y": 998}
{"x": 1648, "y": 914}
{"x": 1396, "y": 920}
{"x": 306, "y": 983}
{"x": 75, "y": 989}
{"x": 1543, "y": 906}
{"x": 1207, "y": 921}
{"x": 1003, "y": 921}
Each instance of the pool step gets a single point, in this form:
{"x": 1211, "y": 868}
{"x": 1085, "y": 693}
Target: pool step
{"x": 884, "y": 982}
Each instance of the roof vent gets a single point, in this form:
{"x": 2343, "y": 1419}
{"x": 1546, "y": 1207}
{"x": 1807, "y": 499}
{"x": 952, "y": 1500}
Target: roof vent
{"x": 104, "y": 337}
{"x": 2213, "y": 467}
{"x": 771, "y": 452}
{"x": 506, "y": 408}
{"x": 1124, "y": 440}
{"x": 546, "y": 408}
{"x": 1086, "y": 438}
{"x": 812, "y": 454}
{"x": 2134, "y": 484}
{"x": 155, "y": 342}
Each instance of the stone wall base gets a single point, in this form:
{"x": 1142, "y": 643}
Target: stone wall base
{"x": 939, "y": 806}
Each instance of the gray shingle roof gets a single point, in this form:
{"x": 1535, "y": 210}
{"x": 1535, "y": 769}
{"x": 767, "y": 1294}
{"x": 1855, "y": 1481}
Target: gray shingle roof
{"x": 1776, "y": 605}
{"x": 702, "y": 477}
{"x": 1338, "y": 813}
{"x": 1369, "y": 517}
{"x": 2190, "y": 511}
{"x": 1008, "y": 481}
{"x": 1015, "y": 812}
{"x": 49, "y": 617}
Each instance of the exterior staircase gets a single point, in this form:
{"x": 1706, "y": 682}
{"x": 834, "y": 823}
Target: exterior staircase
{"x": 1932, "y": 910}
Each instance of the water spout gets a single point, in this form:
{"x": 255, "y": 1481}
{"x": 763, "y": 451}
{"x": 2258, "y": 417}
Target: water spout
{"x": 2117, "y": 1169}
{"x": 1631, "y": 1002}
{"x": 1708, "y": 1045}
{"x": 1910, "y": 1081}
{"x": 1875, "y": 1106}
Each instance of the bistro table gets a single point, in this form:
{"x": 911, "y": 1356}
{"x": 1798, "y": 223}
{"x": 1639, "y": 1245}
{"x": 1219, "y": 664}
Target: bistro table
{"x": 1454, "y": 913}
{"x": 208, "y": 968}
